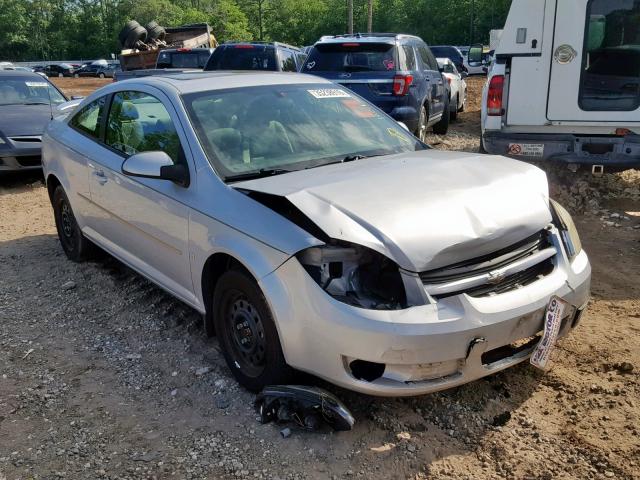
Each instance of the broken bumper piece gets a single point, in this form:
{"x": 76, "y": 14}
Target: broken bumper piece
{"x": 453, "y": 340}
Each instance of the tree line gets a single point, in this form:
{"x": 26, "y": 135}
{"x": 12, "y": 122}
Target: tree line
{"x": 86, "y": 29}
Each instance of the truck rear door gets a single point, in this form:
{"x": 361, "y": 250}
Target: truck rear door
{"x": 595, "y": 67}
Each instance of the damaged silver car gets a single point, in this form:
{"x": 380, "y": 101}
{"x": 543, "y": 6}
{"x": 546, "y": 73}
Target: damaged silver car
{"x": 314, "y": 232}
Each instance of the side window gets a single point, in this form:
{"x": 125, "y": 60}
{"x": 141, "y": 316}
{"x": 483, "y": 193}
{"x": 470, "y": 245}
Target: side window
{"x": 424, "y": 56}
{"x": 301, "y": 58}
{"x": 287, "y": 61}
{"x": 139, "y": 122}
{"x": 408, "y": 58}
{"x": 433, "y": 63}
{"x": 88, "y": 119}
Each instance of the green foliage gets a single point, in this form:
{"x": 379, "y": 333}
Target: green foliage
{"x": 77, "y": 29}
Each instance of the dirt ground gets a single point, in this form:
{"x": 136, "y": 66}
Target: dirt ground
{"x": 103, "y": 375}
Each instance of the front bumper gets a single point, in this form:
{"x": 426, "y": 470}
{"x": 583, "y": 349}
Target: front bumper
{"x": 424, "y": 348}
{"x": 20, "y": 159}
{"x": 612, "y": 152}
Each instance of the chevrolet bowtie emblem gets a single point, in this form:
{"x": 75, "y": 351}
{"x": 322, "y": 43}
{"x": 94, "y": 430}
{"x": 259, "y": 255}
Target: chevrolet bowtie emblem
{"x": 496, "y": 277}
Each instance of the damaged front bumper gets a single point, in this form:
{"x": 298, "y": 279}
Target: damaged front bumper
{"x": 447, "y": 342}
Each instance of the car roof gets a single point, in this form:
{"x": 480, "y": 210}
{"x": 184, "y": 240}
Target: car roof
{"x": 368, "y": 37}
{"x": 191, "y": 82}
{"x": 259, "y": 43}
{"x": 20, "y": 74}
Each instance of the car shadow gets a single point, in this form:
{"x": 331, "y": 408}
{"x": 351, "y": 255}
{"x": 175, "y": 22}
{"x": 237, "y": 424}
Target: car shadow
{"x": 414, "y": 431}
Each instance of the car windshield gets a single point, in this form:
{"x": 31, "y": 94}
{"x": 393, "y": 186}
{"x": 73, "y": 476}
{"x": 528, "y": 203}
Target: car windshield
{"x": 195, "y": 59}
{"x": 28, "y": 91}
{"x": 276, "y": 129}
{"x": 352, "y": 57}
{"x": 243, "y": 57}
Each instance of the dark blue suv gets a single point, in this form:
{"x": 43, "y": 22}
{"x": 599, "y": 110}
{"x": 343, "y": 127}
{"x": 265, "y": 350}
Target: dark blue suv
{"x": 398, "y": 73}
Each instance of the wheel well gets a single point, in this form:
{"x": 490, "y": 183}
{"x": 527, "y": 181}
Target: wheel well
{"x": 214, "y": 267}
{"x": 52, "y": 184}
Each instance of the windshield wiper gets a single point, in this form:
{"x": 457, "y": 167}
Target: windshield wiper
{"x": 263, "y": 172}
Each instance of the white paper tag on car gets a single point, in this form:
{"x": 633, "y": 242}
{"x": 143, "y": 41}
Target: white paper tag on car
{"x": 552, "y": 320}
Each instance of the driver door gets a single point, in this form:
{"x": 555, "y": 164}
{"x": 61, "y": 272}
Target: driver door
{"x": 142, "y": 220}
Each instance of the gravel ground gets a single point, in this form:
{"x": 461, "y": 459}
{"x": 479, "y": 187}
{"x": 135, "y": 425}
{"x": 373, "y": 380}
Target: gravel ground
{"x": 102, "y": 375}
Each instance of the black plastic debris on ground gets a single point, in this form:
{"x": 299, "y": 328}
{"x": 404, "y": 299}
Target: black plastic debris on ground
{"x": 308, "y": 407}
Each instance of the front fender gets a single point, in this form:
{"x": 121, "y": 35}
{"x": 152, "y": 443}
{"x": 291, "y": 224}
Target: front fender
{"x": 209, "y": 237}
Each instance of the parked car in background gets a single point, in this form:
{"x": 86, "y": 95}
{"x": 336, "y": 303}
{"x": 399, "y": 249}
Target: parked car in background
{"x": 27, "y": 103}
{"x": 457, "y": 86}
{"x": 266, "y": 56}
{"x": 183, "y": 57}
{"x": 100, "y": 71}
{"x": 566, "y": 91}
{"x": 397, "y": 73}
{"x": 314, "y": 233}
{"x": 61, "y": 70}
{"x": 452, "y": 53}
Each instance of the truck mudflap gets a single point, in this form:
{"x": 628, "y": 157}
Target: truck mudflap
{"x": 599, "y": 151}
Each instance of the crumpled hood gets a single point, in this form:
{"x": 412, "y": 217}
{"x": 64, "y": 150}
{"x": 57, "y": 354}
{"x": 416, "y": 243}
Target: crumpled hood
{"x": 425, "y": 209}
{"x": 16, "y": 120}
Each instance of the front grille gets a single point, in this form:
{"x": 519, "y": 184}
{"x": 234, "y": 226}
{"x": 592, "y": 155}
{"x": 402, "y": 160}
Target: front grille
{"x": 478, "y": 276}
{"x": 29, "y": 160}
{"x": 517, "y": 280}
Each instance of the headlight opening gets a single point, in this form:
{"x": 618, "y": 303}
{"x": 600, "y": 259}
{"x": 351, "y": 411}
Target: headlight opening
{"x": 568, "y": 231}
{"x": 355, "y": 275}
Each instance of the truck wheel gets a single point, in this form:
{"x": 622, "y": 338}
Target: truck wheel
{"x": 247, "y": 333}
{"x": 75, "y": 245}
{"x": 482, "y": 149}
{"x": 126, "y": 30}
{"x": 442, "y": 127}
{"x": 155, "y": 31}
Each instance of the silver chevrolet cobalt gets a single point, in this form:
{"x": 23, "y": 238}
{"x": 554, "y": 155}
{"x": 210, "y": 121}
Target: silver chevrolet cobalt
{"x": 314, "y": 233}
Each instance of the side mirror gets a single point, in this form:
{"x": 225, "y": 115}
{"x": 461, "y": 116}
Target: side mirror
{"x": 474, "y": 57}
{"x": 157, "y": 165}
{"x": 77, "y": 97}
{"x": 464, "y": 74}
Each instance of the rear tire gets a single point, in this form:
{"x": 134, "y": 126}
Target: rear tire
{"x": 421, "y": 132}
{"x": 247, "y": 333}
{"x": 101, "y": 75}
{"x": 75, "y": 245}
{"x": 442, "y": 127}
{"x": 453, "y": 114}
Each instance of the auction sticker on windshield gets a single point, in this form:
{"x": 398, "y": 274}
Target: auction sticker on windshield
{"x": 552, "y": 320}
{"x": 527, "y": 149}
{"x": 329, "y": 93}
{"x": 36, "y": 84}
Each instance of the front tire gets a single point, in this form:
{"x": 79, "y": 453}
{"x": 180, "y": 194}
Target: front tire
{"x": 75, "y": 245}
{"x": 247, "y": 333}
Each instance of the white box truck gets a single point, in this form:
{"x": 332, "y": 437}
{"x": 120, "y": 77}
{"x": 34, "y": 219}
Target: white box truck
{"x": 565, "y": 84}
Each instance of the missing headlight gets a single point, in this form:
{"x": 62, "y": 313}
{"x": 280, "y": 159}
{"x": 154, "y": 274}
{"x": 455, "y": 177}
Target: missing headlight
{"x": 568, "y": 231}
{"x": 355, "y": 275}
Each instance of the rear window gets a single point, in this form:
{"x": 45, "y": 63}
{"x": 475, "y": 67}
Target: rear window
{"x": 197, "y": 59}
{"x": 610, "y": 78}
{"x": 352, "y": 57}
{"x": 447, "y": 52}
{"x": 243, "y": 57}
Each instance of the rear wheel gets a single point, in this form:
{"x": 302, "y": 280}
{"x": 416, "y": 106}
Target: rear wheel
{"x": 60, "y": 75}
{"x": 442, "y": 127}
{"x": 247, "y": 333}
{"x": 101, "y": 75}
{"x": 454, "y": 108}
{"x": 421, "y": 132}
{"x": 75, "y": 245}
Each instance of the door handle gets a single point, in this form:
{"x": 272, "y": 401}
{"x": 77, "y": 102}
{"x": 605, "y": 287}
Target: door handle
{"x": 100, "y": 177}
